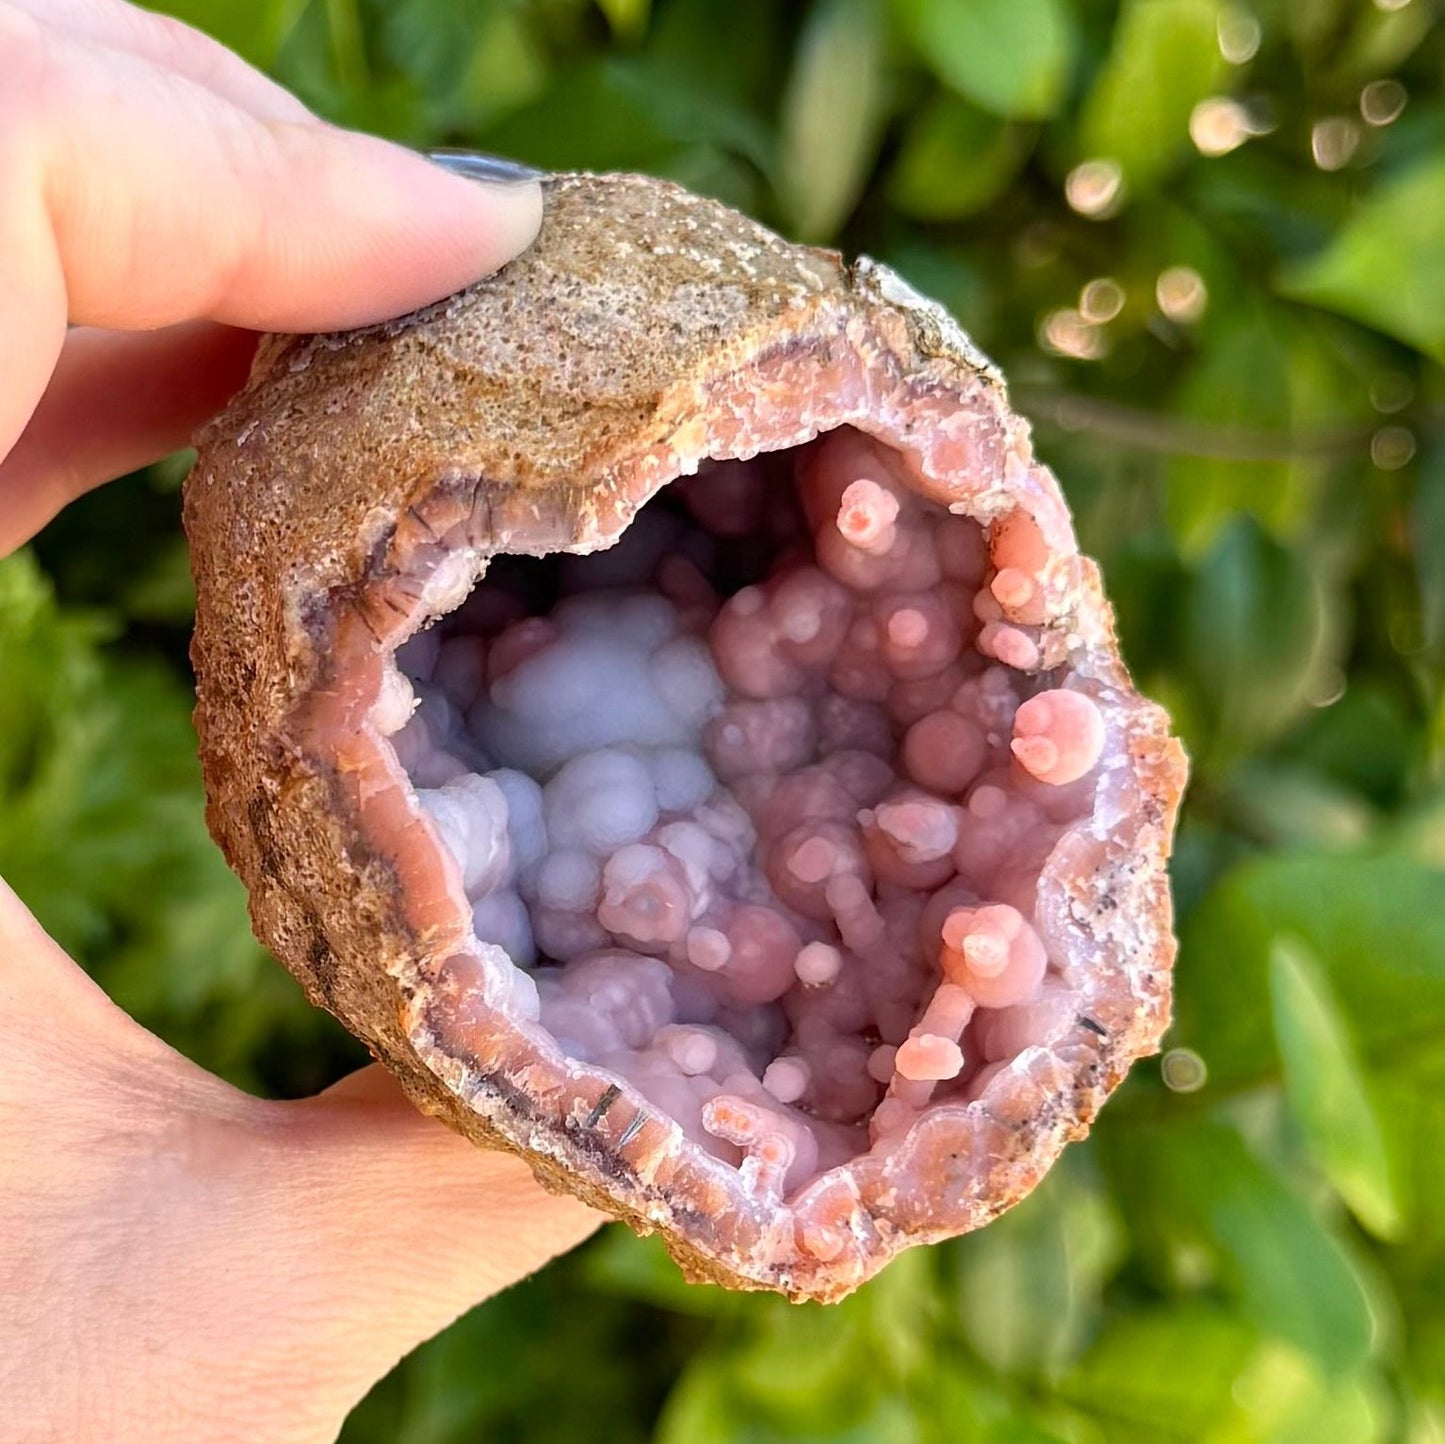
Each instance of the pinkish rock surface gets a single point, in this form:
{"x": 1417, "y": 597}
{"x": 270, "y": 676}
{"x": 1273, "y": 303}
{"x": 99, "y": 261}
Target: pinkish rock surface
{"x": 779, "y": 861}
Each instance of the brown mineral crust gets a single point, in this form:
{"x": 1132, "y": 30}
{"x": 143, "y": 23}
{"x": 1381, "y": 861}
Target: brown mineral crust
{"x": 359, "y": 484}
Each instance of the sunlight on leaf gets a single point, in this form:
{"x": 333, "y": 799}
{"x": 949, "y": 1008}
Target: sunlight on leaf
{"x": 1164, "y": 60}
{"x": 1376, "y": 925}
{"x": 955, "y": 160}
{"x": 1012, "y": 57}
{"x": 1239, "y": 387}
{"x": 832, "y": 117}
{"x": 1204, "y": 1189}
{"x": 628, "y": 18}
{"x": 1384, "y": 267}
{"x": 1327, "y": 1090}
{"x": 1029, "y": 1283}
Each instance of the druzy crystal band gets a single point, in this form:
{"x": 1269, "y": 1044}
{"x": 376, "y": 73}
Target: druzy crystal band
{"x": 654, "y": 698}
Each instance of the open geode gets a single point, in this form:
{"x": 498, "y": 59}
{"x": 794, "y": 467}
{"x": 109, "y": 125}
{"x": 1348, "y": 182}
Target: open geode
{"x": 819, "y": 815}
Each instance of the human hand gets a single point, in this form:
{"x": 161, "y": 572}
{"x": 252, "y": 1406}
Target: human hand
{"x": 177, "y": 1259}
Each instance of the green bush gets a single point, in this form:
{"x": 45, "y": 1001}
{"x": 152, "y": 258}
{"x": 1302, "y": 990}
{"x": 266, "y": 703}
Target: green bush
{"x": 1206, "y": 242}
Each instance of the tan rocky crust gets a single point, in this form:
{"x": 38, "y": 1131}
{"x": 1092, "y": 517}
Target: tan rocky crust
{"x": 358, "y": 486}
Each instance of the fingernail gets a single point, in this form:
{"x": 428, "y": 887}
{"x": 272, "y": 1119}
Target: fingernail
{"x": 478, "y": 166}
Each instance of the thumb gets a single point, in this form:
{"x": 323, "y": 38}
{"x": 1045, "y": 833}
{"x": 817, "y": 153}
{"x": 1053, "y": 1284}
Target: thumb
{"x": 137, "y": 197}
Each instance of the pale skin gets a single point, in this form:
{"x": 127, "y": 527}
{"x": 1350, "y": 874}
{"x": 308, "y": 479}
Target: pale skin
{"x": 179, "y": 1260}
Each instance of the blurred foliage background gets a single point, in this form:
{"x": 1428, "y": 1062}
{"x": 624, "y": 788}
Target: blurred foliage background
{"x": 1206, "y": 241}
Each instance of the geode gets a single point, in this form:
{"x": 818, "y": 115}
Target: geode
{"x": 655, "y": 700}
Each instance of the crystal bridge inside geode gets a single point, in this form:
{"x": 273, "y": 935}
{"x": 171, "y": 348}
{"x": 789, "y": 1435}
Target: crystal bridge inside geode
{"x": 757, "y": 800}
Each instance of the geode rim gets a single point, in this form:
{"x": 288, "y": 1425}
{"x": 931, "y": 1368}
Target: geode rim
{"x": 358, "y": 486}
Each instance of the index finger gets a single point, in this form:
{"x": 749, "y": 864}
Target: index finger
{"x": 135, "y": 198}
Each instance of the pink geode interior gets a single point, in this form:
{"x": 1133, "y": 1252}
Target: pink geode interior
{"x": 758, "y": 799}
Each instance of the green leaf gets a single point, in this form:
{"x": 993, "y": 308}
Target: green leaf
{"x": 702, "y": 1410}
{"x": 469, "y": 61}
{"x": 1168, "y": 1372}
{"x": 1382, "y": 39}
{"x": 958, "y": 1403}
{"x": 955, "y": 160}
{"x": 1290, "y": 1275}
{"x": 432, "y": 41}
{"x": 683, "y": 43}
{"x": 1255, "y": 636}
{"x": 163, "y": 592}
{"x": 254, "y": 29}
{"x": 1365, "y": 741}
{"x": 1198, "y": 1376}
{"x": 1029, "y": 1284}
{"x": 349, "y": 54}
{"x": 1311, "y": 22}
{"x": 621, "y": 1263}
{"x": 1197, "y": 1186}
{"x": 1384, "y": 267}
{"x": 1376, "y": 925}
{"x": 1428, "y": 538}
{"x": 1012, "y": 57}
{"x": 846, "y": 1372}
{"x": 1412, "y": 1110}
{"x": 814, "y": 1366}
{"x": 811, "y": 1362}
{"x": 705, "y": 1408}
{"x": 1288, "y": 1400}
{"x": 628, "y": 18}
{"x": 1327, "y": 1090}
{"x": 832, "y": 118}
{"x": 1238, "y": 387}
{"x": 627, "y": 114}
{"x": 1356, "y": 1410}
{"x": 1292, "y": 806}
{"x": 1164, "y": 60}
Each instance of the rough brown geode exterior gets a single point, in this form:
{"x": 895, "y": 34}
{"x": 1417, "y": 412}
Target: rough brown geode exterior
{"x": 645, "y": 329}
